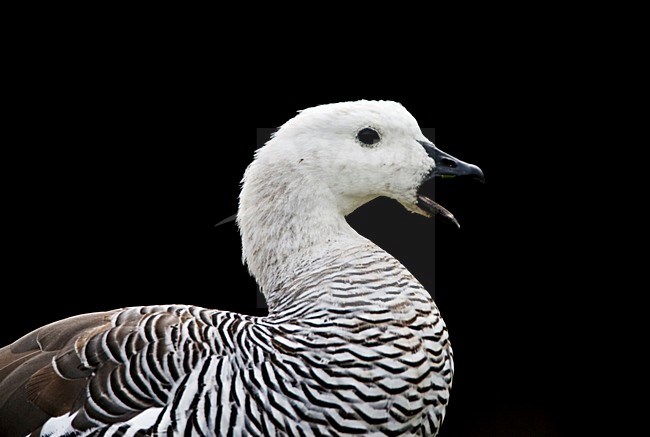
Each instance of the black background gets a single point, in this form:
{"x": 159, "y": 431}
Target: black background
{"x": 121, "y": 172}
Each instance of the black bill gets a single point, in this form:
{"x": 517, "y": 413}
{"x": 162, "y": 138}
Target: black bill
{"x": 446, "y": 167}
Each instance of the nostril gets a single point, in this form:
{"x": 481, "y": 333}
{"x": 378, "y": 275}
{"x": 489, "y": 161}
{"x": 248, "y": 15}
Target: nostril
{"x": 448, "y": 163}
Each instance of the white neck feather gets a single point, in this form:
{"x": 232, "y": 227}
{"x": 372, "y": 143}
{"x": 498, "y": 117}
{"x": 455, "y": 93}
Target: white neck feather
{"x": 287, "y": 217}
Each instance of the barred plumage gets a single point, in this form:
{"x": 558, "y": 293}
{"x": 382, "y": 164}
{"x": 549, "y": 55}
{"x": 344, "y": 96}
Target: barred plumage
{"x": 353, "y": 344}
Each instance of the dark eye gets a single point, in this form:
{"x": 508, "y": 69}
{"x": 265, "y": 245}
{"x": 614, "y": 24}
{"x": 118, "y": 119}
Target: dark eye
{"x": 368, "y": 136}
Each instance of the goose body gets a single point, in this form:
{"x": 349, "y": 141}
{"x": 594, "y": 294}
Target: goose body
{"x": 353, "y": 344}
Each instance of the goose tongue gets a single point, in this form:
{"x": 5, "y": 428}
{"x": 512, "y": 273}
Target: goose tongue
{"x": 433, "y": 208}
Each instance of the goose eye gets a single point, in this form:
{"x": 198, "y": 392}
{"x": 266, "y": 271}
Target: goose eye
{"x": 368, "y": 136}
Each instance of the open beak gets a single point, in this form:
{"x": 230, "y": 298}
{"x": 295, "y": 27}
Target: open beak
{"x": 446, "y": 167}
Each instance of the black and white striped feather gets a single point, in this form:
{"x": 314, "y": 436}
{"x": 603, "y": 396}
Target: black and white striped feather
{"x": 354, "y": 350}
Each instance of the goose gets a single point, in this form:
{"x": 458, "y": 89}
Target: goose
{"x": 352, "y": 344}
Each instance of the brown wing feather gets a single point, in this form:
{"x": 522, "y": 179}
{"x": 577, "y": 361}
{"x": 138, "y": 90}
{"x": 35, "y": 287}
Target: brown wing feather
{"x": 31, "y": 390}
{"x": 70, "y": 365}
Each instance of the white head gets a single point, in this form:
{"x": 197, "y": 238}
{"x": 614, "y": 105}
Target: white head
{"x": 329, "y": 160}
{"x": 325, "y": 144}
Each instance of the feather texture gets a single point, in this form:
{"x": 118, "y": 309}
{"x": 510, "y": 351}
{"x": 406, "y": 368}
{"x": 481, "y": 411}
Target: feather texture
{"x": 356, "y": 349}
{"x": 353, "y": 344}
